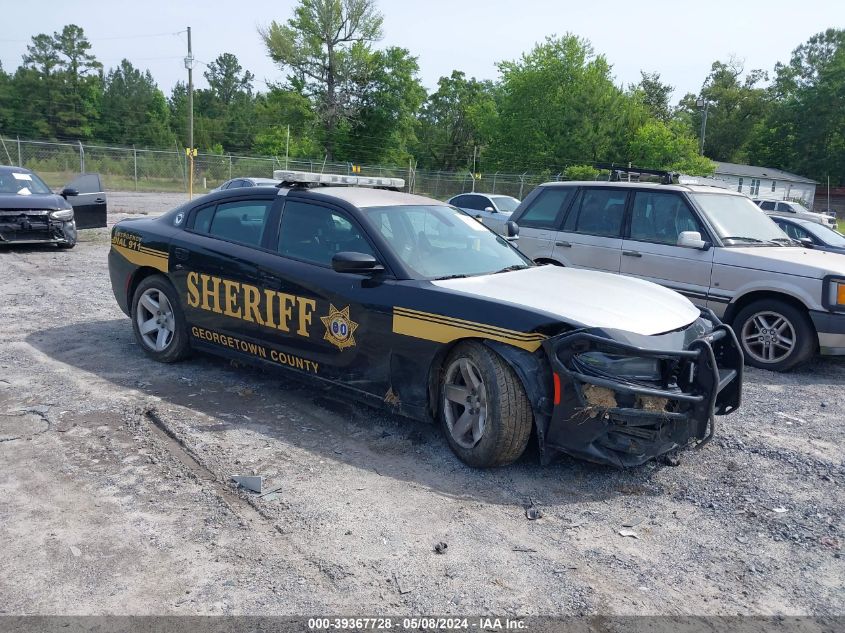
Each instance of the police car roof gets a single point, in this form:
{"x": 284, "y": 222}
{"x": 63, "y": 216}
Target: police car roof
{"x": 363, "y": 197}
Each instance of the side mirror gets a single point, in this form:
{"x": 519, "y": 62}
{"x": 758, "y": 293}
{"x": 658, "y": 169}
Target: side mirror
{"x": 490, "y": 209}
{"x": 511, "y": 230}
{"x": 69, "y": 191}
{"x": 807, "y": 242}
{"x": 691, "y": 239}
{"x": 361, "y": 263}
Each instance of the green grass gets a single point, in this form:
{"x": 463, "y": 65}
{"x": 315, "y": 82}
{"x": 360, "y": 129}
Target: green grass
{"x": 841, "y": 226}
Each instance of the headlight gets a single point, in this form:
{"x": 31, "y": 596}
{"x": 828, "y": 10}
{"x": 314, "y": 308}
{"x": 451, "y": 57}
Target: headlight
{"x": 628, "y": 367}
{"x": 63, "y": 214}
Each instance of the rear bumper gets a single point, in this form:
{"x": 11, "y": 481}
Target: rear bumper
{"x": 626, "y": 423}
{"x": 34, "y": 228}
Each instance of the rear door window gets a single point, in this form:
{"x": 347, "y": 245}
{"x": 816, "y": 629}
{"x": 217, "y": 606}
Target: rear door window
{"x": 767, "y": 205}
{"x": 241, "y": 221}
{"x": 547, "y": 209}
{"x": 598, "y": 212}
{"x": 86, "y": 183}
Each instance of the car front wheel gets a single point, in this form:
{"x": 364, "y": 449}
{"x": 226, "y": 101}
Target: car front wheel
{"x": 774, "y": 335}
{"x": 158, "y": 321}
{"x": 484, "y": 411}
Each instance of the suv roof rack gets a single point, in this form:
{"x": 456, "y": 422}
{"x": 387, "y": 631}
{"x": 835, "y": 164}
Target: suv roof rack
{"x": 304, "y": 179}
{"x": 616, "y": 171}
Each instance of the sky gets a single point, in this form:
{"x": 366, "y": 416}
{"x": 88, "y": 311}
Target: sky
{"x": 679, "y": 40}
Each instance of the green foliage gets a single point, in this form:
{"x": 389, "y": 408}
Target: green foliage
{"x": 324, "y": 47}
{"x": 580, "y": 172}
{"x": 655, "y": 95}
{"x": 456, "y": 119}
{"x": 228, "y": 80}
{"x": 558, "y": 103}
{"x": 133, "y": 110}
{"x": 659, "y": 145}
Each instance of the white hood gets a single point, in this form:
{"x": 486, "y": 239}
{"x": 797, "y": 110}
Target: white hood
{"x": 585, "y": 298}
{"x": 777, "y": 259}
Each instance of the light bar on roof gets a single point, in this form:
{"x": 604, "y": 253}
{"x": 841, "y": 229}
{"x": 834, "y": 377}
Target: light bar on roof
{"x": 309, "y": 178}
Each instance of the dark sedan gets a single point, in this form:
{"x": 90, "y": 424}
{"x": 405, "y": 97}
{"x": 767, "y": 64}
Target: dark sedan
{"x": 31, "y": 213}
{"x": 813, "y": 234}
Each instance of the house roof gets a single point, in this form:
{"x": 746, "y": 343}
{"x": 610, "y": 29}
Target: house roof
{"x": 752, "y": 171}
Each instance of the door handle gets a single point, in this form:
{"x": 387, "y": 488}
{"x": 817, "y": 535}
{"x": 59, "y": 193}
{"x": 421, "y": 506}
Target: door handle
{"x": 564, "y": 244}
{"x": 632, "y": 254}
{"x": 99, "y": 200}
{"x": 180, "y": 253}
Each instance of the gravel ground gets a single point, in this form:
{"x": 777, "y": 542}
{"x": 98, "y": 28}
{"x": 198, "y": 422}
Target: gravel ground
{"x": 114, "y": 492}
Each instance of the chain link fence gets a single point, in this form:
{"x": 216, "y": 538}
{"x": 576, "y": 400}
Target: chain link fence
{"x": 161, "y": 170}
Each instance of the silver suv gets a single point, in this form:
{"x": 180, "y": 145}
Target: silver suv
{"x": 789, "y": 209}
{"x": 784, "y": 301}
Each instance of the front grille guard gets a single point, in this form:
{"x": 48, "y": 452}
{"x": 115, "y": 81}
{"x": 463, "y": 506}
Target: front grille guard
{"x": 712, "y": 384}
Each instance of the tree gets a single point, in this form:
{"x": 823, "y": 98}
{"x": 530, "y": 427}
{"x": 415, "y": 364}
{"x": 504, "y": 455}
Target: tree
{"x": 580, "y": 172}
{"x": 73, "y": 48}
{"x": 323, "y": 46}
{"x": 457, "y": 118}
{"x": 133, "y": 109}
{"x": 659, "y": 145}
{"x": 655, "y": 95}
{"x": 557, "y": 104}
{"x": 227, "y": 79}
{"x": 41, "y": 56}
{"x": 736, "y": 104}
{"x": 805, "y": 129}
{"x": 390, "y": 96}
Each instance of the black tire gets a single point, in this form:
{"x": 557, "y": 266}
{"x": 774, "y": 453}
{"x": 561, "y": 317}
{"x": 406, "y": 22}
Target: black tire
{"x": 753, "y": 334}
{"x": 66, "y": 245}
{"x": 508, "y": 420}
{"x": 177, "y": 345}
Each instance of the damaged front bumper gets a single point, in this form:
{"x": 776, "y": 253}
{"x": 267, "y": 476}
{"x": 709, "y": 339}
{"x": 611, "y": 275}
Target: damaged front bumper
{"x": 627, "y": 421}
{"x": 35, "y": 226}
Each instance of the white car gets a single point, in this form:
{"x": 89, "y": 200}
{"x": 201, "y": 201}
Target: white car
{"x": 492, "y": 210}
{"x": 789, "y": 209}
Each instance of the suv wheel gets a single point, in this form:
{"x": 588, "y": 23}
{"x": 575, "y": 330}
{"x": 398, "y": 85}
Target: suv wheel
{"x": 485, "y": 413}
{"x": 158, "y": 321}
{"x": 774, "y": 335}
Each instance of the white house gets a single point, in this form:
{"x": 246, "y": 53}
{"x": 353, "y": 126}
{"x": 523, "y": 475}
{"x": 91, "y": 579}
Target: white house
{"x": 767, "y": 182}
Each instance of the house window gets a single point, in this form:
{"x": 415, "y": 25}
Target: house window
{"x": 774, "y": 183}
{"x": 739, "y": 187}
{"x": 755, "y": 186}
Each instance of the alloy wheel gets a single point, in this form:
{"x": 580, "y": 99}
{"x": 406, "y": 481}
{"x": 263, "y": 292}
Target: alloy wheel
{"x": 155, "y": 319}
{"x": 464, "y": 403}
{"x": 768, "y": 337}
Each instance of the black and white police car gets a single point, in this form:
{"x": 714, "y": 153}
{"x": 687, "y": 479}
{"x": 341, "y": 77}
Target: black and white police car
{"x": 407, "y": 302}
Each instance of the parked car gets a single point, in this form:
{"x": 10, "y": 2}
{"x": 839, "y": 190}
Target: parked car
{"x": 410, "y": 303}
{"x": 237, "y": 183}
{"x": 30, "y": 212}
{"x": 493, "y": 210}
{"x": 715, "y": 246}
{"x": 812, "y": 234}
{"x": 787, "y": 208}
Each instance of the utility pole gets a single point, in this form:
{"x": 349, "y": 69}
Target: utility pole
{"x": 287, "y": 148}
{"x": 189, "y": 64}
{"x": 703, "y": 105}
{"x": 474, "y": 151}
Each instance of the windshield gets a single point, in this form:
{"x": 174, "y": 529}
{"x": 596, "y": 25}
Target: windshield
{"x": 738, "y": 221}
{"x": 22, "y": 183}
{"x": 825, "y": 234}
{"x": 506, "y": 204}
{"x": 439, "y": 241}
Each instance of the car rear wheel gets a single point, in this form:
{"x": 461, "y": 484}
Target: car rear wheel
{"x": 158, "y": 321}
{"x": 484, "y": 411}
{"x": 774, "y": 335}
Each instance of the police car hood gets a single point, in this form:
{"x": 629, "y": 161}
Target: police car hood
{"x": 584, "y": 298}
